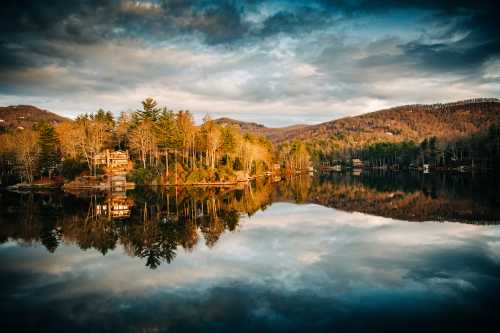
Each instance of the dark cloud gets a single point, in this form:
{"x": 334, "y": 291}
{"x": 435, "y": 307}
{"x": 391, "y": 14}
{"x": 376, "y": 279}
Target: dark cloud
{"x": 479, "y": 44}
{"x": 24, "y": 23}
{"x": 451, "y": 57}
{"x": 54, "y": 19}
{"x": 377, "y": 6}
{"x": 301, "y": 20}
{"x": 314, "y": 55}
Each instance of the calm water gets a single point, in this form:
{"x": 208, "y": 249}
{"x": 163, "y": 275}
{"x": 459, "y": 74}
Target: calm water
{"x": 326, "y": 253}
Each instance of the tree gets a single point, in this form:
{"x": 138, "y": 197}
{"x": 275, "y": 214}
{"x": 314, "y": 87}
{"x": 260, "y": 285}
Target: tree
{"x": 168, "y": 133}
{"x": 142, "y": 140}
{"x": 121, "y": 130}
{"x": 150, "y": 111}
{"x": 27, "y": 152}
{"x": 187, "y": 130}
{"x": 230, "y": 140}
{"x": 48, "y": 152}
{"x": 69, "y": 139}
{"x": 91, "y": 134}
{"x": 210, "y": 140}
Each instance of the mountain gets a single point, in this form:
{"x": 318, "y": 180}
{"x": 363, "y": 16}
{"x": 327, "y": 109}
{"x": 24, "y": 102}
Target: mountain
{"x": 26, "y": 116}
{"x": 273, "y": 133}
{"x": 409, "y": 122}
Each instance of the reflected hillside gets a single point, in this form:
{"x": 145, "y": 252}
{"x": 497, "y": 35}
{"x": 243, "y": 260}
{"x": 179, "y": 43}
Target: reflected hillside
{"x": 412, "y": 197}
{"x": 154, "y": 223}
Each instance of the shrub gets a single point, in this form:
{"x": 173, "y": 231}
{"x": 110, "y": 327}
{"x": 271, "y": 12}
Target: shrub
{"x": 224, "y": 174}
{"x": 72, "y": 168}
{"x": 198, "y": 176}
{"x": 142, "y": 176}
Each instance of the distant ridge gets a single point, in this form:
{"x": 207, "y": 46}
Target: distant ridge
{"x": 255, "y": 128}
{"x": 466, "y": 102}
{"x": 26, "y": 116}
{"x": 407, "y": 122}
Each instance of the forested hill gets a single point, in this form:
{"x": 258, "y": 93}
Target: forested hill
{"x": 26, "y": 116}
{"x": 408, "y": 122}
{"x": 273, "y": 133}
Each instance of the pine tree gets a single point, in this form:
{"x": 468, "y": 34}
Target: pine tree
{"x": 150, "y": 111}
{"x": 48, "y": 153}
{"x": 169, "y": 135}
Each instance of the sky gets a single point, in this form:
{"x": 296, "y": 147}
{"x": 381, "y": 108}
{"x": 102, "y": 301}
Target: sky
{"x": 276, "y": 62}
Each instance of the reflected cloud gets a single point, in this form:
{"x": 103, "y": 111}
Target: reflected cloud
{"x": 268, "y": 276}
{"x": 272, "y": 261}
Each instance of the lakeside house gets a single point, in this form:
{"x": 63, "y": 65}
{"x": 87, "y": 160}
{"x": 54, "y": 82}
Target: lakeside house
{"x": 113, "y": 160}
{"x": 116, "y": 164}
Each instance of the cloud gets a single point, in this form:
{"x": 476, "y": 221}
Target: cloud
{"x": 310, "y": 63}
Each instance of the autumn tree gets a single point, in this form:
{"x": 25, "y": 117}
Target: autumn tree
{"x": 27, "y": 152}
{"x": 69, "y": 138}
{"x": 185, "y": 125}
{"x": 93, "y": 133}
{"x": 210, "y": 140}
{"x": 121, "y": 130}
{"x": 143, "y": 141}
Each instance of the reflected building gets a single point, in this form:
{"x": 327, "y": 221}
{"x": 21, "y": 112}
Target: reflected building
{"x": 116, "y": 206}
{"x": 153, "y": 223}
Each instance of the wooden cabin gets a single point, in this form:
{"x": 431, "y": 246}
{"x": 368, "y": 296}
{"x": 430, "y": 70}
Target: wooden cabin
{"x": 113, "y": 160}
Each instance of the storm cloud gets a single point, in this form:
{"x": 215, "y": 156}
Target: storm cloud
{"x": 306, "y": 61}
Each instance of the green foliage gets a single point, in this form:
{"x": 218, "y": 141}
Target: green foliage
{"x": 228, "y": 137}
{"x": 48, "y": 142}
{"x": 169, "y": 135}
{"x": 237, "y": 165}
{"x": 199, "y": 175}
{"x": 389, "y": 153}
{"x": 224, "y": 174}
{"x": 150, "y": 111}
{"x": 142, "y": 176}
{"x": 104, "y": 117}
{"x": 72, "y": 168}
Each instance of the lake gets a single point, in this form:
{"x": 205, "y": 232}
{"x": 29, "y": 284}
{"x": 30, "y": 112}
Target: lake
{"x": 332, "y": 252}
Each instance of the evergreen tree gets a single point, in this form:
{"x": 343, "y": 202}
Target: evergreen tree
{"x": 169, "y": 135}
{"x": 150, "y": 111}
{"x": 48, "y": 153}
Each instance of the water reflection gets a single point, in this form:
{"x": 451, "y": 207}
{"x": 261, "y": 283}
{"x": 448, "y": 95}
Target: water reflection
{"x": 412, "y": 197}
{"x": 252, "y": 259}
{"x": 152, "y": 222}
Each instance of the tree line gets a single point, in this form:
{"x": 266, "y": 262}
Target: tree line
{"x": 480, "y": 151}
{"x": 167, "y": 147}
